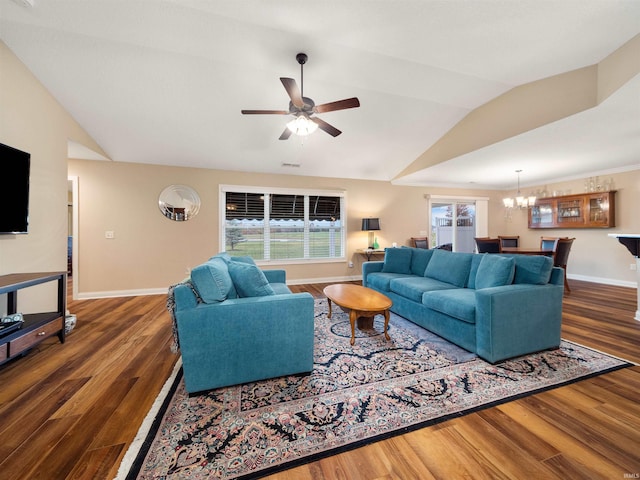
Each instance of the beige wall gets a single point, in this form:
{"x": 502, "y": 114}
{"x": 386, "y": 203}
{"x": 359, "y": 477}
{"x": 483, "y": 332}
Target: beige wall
{"x": 594, "y": 255}
{"x": 150, "y": 252}
{"x": 33, "y": 121}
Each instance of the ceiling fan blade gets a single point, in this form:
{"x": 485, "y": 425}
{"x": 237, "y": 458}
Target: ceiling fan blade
{"x": 339, "y": 105}
{"x": 293, "y": 91}
{"x": 265, "y": 112}
{"x": 286, "y": 134}
{"x": 322, "y": 125}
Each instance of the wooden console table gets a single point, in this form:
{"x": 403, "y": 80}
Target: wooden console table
{"x": 632, "y": 242}
{"x": 37, "y": 326}
{"x": 369, "y": 251}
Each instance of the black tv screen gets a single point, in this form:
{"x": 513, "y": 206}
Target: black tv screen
{"x": 14, "y": 178}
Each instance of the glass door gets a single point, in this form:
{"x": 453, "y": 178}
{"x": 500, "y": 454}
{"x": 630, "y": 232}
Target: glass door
{"x": 453, "y": 223}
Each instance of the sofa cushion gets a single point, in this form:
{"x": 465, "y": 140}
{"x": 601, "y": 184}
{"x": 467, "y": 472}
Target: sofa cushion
{"x": 494, "y": 271}
{"x": 413, "y": 287}
{"x": 249, "y": 280}
{"x": 212, "y": 281}
{"x": 397, "y": 260}
{"x": 419, "y": 259}
{"x": 475, "y": 263}
{"x": 449, "y": 267}
{"x": 459, "y": 303}
{"x": 381, "y": 281}
{"x": 535, "y": 269}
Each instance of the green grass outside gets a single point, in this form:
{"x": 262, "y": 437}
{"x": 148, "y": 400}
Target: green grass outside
{"x": 287, "y": 245}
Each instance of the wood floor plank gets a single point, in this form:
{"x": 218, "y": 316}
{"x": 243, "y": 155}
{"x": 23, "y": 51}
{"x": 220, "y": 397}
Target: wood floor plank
{"x": 70, "y": 411}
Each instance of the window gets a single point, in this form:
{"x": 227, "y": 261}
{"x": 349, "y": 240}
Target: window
{"x": 279, "y": 224}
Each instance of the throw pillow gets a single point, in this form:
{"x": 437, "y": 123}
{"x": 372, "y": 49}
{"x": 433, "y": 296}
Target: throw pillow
{"x": 475, "y": 263}
{"x": 212, "y": 281}
{"x": 249, "y": 280}
{"x": 419, "y": 260}
{"x": 450, "y": 267}
{"x": 397, "y": 260}
{"x": 495, "y": 271}
{"x": 534, "y": 269}
{"x": 248, "y": 260}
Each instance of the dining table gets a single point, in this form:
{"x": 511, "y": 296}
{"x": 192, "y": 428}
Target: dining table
{"x": 527, "y": 251}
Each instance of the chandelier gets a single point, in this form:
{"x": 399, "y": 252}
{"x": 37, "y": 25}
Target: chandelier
{"x": 520, "y": 201}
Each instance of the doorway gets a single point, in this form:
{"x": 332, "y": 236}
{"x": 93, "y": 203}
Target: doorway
{"x": 72, "y": 234}
{"x": 456, "y": 221}
{"x": 453, "y": 223}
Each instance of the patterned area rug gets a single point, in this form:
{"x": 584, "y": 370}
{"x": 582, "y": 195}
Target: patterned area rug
{"x": 355, "y": 395}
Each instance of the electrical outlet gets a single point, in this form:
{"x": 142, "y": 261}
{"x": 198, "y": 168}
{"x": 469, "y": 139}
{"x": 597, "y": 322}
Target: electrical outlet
{"x": 350, "y": 264}
{"x": 109, "y": 234}
{"x": 632, "y": 266}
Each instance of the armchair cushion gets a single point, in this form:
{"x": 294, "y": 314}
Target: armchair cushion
{"x": 212, "y": 281}
{"x": 494, "y": 271}
{"x": 249, "y": 280}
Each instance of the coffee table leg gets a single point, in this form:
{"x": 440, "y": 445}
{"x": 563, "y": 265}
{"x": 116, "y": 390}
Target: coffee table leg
{"x": 352, "y": 318}
{"x": 386, "y": 324}
{"x": 329, "y": 301}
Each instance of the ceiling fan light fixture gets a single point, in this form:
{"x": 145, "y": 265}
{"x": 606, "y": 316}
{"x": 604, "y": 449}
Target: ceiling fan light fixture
{"x": 302, "y": 126}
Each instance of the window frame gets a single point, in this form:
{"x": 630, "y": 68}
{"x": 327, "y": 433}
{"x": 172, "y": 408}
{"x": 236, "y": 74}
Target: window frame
{"x": 222, "y": 195}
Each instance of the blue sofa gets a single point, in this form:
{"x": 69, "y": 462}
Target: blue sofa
{"x": 236, "y": 323}
{"x": 498, "y": 306}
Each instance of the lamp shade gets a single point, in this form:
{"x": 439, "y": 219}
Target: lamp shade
{"x": 370, "y": 224}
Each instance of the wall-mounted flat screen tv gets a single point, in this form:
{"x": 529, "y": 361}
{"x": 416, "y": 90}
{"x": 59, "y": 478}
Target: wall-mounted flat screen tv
{"x": 14, "y": 185}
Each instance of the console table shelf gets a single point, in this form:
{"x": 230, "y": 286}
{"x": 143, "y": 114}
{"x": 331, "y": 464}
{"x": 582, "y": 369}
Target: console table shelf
{"x": 37, "y": 326}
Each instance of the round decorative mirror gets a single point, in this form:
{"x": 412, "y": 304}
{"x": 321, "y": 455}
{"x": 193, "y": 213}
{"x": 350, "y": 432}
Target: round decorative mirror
{"x": 179, "y": 203}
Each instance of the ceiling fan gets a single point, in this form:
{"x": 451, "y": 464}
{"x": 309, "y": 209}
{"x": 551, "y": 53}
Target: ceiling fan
{"x": 303, "y": 108}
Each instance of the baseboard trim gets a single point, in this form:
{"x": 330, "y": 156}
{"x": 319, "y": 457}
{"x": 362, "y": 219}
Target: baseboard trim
{"x": 302, "y": 281}
{"x": 604, "y": 281}
{"x": 121, "y": 293}
{"x": 163, "y": 291}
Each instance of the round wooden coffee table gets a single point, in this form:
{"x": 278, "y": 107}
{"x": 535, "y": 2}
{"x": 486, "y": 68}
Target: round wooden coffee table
{"x": 359, "y": 301}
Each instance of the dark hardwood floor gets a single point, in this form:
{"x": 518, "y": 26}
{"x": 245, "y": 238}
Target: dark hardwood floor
{"x": 70, "y": 411}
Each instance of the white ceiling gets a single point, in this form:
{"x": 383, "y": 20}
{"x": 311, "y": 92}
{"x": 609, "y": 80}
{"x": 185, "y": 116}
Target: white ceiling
{"x": 163, "y": 81}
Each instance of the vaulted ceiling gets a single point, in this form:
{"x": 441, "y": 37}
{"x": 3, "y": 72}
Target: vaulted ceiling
{"x": 163, "y": 82}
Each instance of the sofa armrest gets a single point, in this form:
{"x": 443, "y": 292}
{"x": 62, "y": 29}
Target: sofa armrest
{"x": 513, "y": 320}
{"x": 275, "y": 276}
{"x": 184, "y": 297}
{"x": 370, "y": 267}
{"x": 557, "y": 276}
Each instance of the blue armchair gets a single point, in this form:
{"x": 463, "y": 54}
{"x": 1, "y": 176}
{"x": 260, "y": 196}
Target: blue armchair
{"x": 236, "y": 323}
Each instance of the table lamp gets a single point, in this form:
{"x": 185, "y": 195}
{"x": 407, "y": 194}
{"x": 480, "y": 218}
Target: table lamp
{"x": 370, "y": 225}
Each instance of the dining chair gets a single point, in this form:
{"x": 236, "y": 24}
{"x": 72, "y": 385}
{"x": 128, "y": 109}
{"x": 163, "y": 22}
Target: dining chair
{"x": 549, "y": 243}
{"x": 487, "y": 244}
{"x": 561, "y": 257}
{"x": 420, "y": 242}
{"x": 509, "y": 241}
